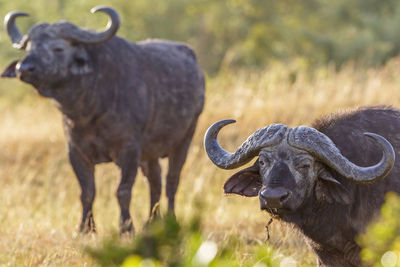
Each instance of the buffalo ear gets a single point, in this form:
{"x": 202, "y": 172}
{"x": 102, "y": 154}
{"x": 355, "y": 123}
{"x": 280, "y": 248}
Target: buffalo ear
{"x": 246, "y": 182}
{"x": 9, "y": 72}
{"x": 331, "y": 190}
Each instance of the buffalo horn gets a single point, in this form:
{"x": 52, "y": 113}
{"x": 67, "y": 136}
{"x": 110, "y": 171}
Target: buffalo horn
{"x": 12, "y": 29}
{"x": 322, "y": 147}
{"x": 250, "y": 148}
{"x": 90, "y": 37}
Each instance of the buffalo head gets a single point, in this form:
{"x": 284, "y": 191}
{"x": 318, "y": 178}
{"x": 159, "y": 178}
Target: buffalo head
{"x": 292, "y": 164}
{"x": 56, "y": 52}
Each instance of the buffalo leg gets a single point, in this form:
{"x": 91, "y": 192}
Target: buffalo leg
{"x": 84, "y": 171}
{"x": 176, "y": 159}
{"x": 128, "y": 164}
{"x": 154, "y": 177}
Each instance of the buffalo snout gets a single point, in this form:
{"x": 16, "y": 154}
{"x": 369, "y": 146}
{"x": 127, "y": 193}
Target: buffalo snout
{"x": 273, "y": 198}
{"x": 26, "y": 68}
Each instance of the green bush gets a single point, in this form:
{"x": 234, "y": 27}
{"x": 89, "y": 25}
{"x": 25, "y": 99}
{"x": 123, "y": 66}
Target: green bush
{"x": 164, "y": 242}
{"x": 237, "y": 33}
{"x": 381, "y": 243}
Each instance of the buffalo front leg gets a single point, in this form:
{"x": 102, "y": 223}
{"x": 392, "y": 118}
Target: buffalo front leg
{"x": 84, "y": 171}
{"x": 129, "y": 164}
{"x": 153, "y": 174}
{"x": 176, "y": 159}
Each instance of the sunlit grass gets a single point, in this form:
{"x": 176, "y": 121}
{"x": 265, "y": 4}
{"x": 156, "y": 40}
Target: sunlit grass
{"x": 39, "y": 194}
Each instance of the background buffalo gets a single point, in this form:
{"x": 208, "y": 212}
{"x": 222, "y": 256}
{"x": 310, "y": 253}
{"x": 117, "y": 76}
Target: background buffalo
{"x": 122, "y": 102}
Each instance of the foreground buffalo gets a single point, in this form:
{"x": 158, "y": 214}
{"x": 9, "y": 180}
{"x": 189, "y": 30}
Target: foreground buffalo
{"x": 313, "y": 179}
{"x": 130, "y": 103}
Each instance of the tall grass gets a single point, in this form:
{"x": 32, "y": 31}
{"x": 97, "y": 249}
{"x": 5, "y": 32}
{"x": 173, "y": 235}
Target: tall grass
{"x": 39, "y": 195}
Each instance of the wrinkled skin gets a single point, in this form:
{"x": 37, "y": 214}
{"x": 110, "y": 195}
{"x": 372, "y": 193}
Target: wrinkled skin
{"x": 327, "y": 208}
{"x": 122, "y": 102}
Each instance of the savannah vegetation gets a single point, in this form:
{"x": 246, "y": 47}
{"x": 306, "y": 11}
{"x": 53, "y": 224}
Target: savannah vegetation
{"x": 266, "y": 62}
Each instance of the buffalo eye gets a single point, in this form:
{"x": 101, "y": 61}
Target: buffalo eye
{"x": 58, "y": 49}
{"x": 263, "y": 162}
{"x": 303, "y": 165}
{"x": 80, "y": 61}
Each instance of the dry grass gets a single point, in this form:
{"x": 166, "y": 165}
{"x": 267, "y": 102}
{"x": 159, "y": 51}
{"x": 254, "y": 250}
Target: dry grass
{"x": 39, "y": 195}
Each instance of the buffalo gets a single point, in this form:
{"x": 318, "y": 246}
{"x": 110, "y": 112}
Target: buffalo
{"x": 123, "y": 102}
{"x": 328, "y": 180}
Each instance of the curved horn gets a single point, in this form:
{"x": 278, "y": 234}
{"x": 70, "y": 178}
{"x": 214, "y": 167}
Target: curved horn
{"x": 263, "y": 137}
{"x": 12, "y": 29}
{"x": 322, "y": 147}
{"x": 90, "y": 37}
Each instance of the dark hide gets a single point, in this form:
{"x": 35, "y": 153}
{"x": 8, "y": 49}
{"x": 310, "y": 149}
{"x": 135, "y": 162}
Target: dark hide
{"x": 333, "y": 227}
{"x": 129, "y": 103}
{"x": 338, "y": 209}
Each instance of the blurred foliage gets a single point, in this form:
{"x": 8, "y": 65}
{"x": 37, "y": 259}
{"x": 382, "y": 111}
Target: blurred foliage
{"x": 164, "y": 242}
{"x": 237, "y": 33}
{"x": 381, "y": 242}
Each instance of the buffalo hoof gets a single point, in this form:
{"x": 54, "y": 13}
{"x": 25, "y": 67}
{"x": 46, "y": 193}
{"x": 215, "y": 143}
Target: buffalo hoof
{"x": 126, "y": 227}
{"x": 155, "y": 212}
{"x": 87, "y": 227}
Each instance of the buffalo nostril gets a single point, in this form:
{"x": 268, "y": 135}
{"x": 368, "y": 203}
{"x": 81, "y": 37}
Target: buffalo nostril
{"x": 30, "y": 68}
{"x": 283, "y": 197}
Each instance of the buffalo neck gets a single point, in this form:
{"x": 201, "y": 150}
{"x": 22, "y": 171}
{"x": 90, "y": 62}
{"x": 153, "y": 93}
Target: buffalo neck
{"x": 322, "y": 223}
{"x": 77, "y": 100}
{"x": 86, "y": 97}
{"x": 83, "y": 98}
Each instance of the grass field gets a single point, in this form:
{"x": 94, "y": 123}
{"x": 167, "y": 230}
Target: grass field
{"x": 39, "y": 195}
